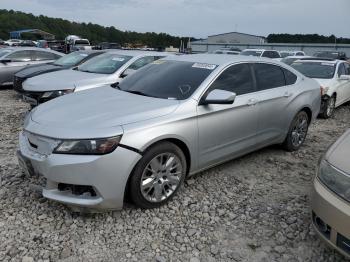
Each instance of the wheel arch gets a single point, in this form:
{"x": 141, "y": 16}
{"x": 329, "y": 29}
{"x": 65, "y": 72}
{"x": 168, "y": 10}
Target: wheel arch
{"x": 308, "y": 111}
{"x": 176, "y": 141}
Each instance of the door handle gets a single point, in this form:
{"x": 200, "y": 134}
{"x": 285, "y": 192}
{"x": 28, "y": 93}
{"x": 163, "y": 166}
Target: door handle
{"x": 252, "y": 102}
{"x": 287, "y": 94}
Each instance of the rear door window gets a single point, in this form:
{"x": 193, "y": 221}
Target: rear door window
{"x": 271, "y": 54}
{"x": 290, "y": 77}
{"x": 268, "y": 76}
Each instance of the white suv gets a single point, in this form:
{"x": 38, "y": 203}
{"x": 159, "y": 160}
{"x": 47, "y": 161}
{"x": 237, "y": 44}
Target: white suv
{"x": 334, "y": 78}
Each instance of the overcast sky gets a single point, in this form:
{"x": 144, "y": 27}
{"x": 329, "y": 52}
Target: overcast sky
{"x": 200, "y": 18}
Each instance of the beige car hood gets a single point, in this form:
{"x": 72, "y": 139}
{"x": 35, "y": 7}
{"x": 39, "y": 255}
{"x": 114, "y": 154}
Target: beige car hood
{"x": 339, "y": 153}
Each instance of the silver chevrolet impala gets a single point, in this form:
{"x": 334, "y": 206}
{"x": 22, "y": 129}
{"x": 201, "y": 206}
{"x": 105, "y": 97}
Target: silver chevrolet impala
{"x": 175, "y": 117}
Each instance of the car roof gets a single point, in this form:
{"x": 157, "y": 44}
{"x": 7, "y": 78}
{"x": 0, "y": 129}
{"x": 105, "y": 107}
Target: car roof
{"x": 317, "y": 60}
{"x": 136, "y": 52}
{"x": 253, "y": 49}
{"x": 298, "y": 56}
{"x": 219, "y": 59}
{"x": 89, "y": 51}
{"x": 31, "y": 49}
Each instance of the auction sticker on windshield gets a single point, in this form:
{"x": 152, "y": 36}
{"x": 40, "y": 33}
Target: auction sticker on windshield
{"x": 158, "y": 62}
{"x": 119, "y": 59}
{"x": 204, "y": 66}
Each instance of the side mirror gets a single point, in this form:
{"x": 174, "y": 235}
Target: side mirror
{"x": 127, "y": 72}
{"x": 218, "y": 96}
{"x": 344, "y": 77}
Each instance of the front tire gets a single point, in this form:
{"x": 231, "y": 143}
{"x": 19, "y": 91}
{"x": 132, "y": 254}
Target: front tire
{"x": 297, "y": 132}
{"x": 329, "y": 108}
{"x": 158, "y": 175}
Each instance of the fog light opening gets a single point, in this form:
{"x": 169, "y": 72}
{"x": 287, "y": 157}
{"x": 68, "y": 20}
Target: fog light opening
{"x": 78, "y": 190}
{"x": 321, "y": 225}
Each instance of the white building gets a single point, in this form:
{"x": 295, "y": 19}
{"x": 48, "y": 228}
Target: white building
{"x": 227, "y": 39}
{"x": 235, "y": 38}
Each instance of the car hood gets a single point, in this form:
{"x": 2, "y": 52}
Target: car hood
{"x": 35, "y": 70}
{"x": 338, "y": 154}
{"x": 99, "y": 108}
{"x": 63, "y": 80}
{"x": 323, "y": 82}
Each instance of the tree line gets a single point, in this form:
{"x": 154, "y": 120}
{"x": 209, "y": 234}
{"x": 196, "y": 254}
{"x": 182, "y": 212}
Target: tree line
{"x": 11, "y": 20}
{"x": 306, "y": 38}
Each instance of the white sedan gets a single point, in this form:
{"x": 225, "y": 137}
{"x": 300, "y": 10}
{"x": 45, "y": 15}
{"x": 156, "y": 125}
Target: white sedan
{"x": 333, "y": 77}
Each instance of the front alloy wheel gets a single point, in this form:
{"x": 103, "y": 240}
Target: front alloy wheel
{"x": 158, "y": 175}
{"x": 161, "y": 177}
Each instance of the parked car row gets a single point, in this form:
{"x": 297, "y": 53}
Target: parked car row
{"x": 283, "y": 55}
{"x": 133, "y": 125}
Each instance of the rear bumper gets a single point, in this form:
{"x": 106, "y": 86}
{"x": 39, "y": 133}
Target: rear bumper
{"x": 331, "y": 218}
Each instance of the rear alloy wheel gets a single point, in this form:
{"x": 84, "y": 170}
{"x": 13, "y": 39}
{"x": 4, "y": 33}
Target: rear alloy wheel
{"x": 297, "y": 132}
{"x": 158, "y": 175}
{"x": 329, "y": 108}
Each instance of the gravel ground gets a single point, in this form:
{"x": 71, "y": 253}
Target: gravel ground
{"x": 255, "y": 208}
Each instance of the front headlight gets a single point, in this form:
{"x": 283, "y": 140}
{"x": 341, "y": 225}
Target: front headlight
{"x": 335, "y": 179}
{"x": 98, "y": 146}
{"x": 57, "y": 93}
{"x": 324, "y": 90}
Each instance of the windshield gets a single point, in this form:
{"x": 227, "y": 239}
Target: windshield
{"x": 333, "y": 55}
{"x": 315, "y": 69}
{"x": 104, "y": 64}
{"x": 4, "y": 52}
{"x": 81, "y": 42}
{"x": 251, "y": 53}
{"x": 167, "y": 79}
{"x": 285, "y": 54}
{"x": 71, "y": 60}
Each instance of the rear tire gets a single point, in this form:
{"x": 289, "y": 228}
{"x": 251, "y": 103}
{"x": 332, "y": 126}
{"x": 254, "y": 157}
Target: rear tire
{"x": 329, "y": 108}
{"x": 297, "y": 132}
{"x": 158, "y": 175}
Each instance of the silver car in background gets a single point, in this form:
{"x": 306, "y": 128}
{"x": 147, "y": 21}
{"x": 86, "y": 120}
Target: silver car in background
{"x": 174, "y": 117}
{"x": 101, "y": 70}
{"x": 13, "y": 59}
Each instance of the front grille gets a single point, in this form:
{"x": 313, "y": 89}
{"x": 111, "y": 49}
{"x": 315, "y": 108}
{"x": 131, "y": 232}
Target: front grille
{"x": 17, "y": 83}
{"x": 343, "y": 243}
{"x": 35, "y": 95}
